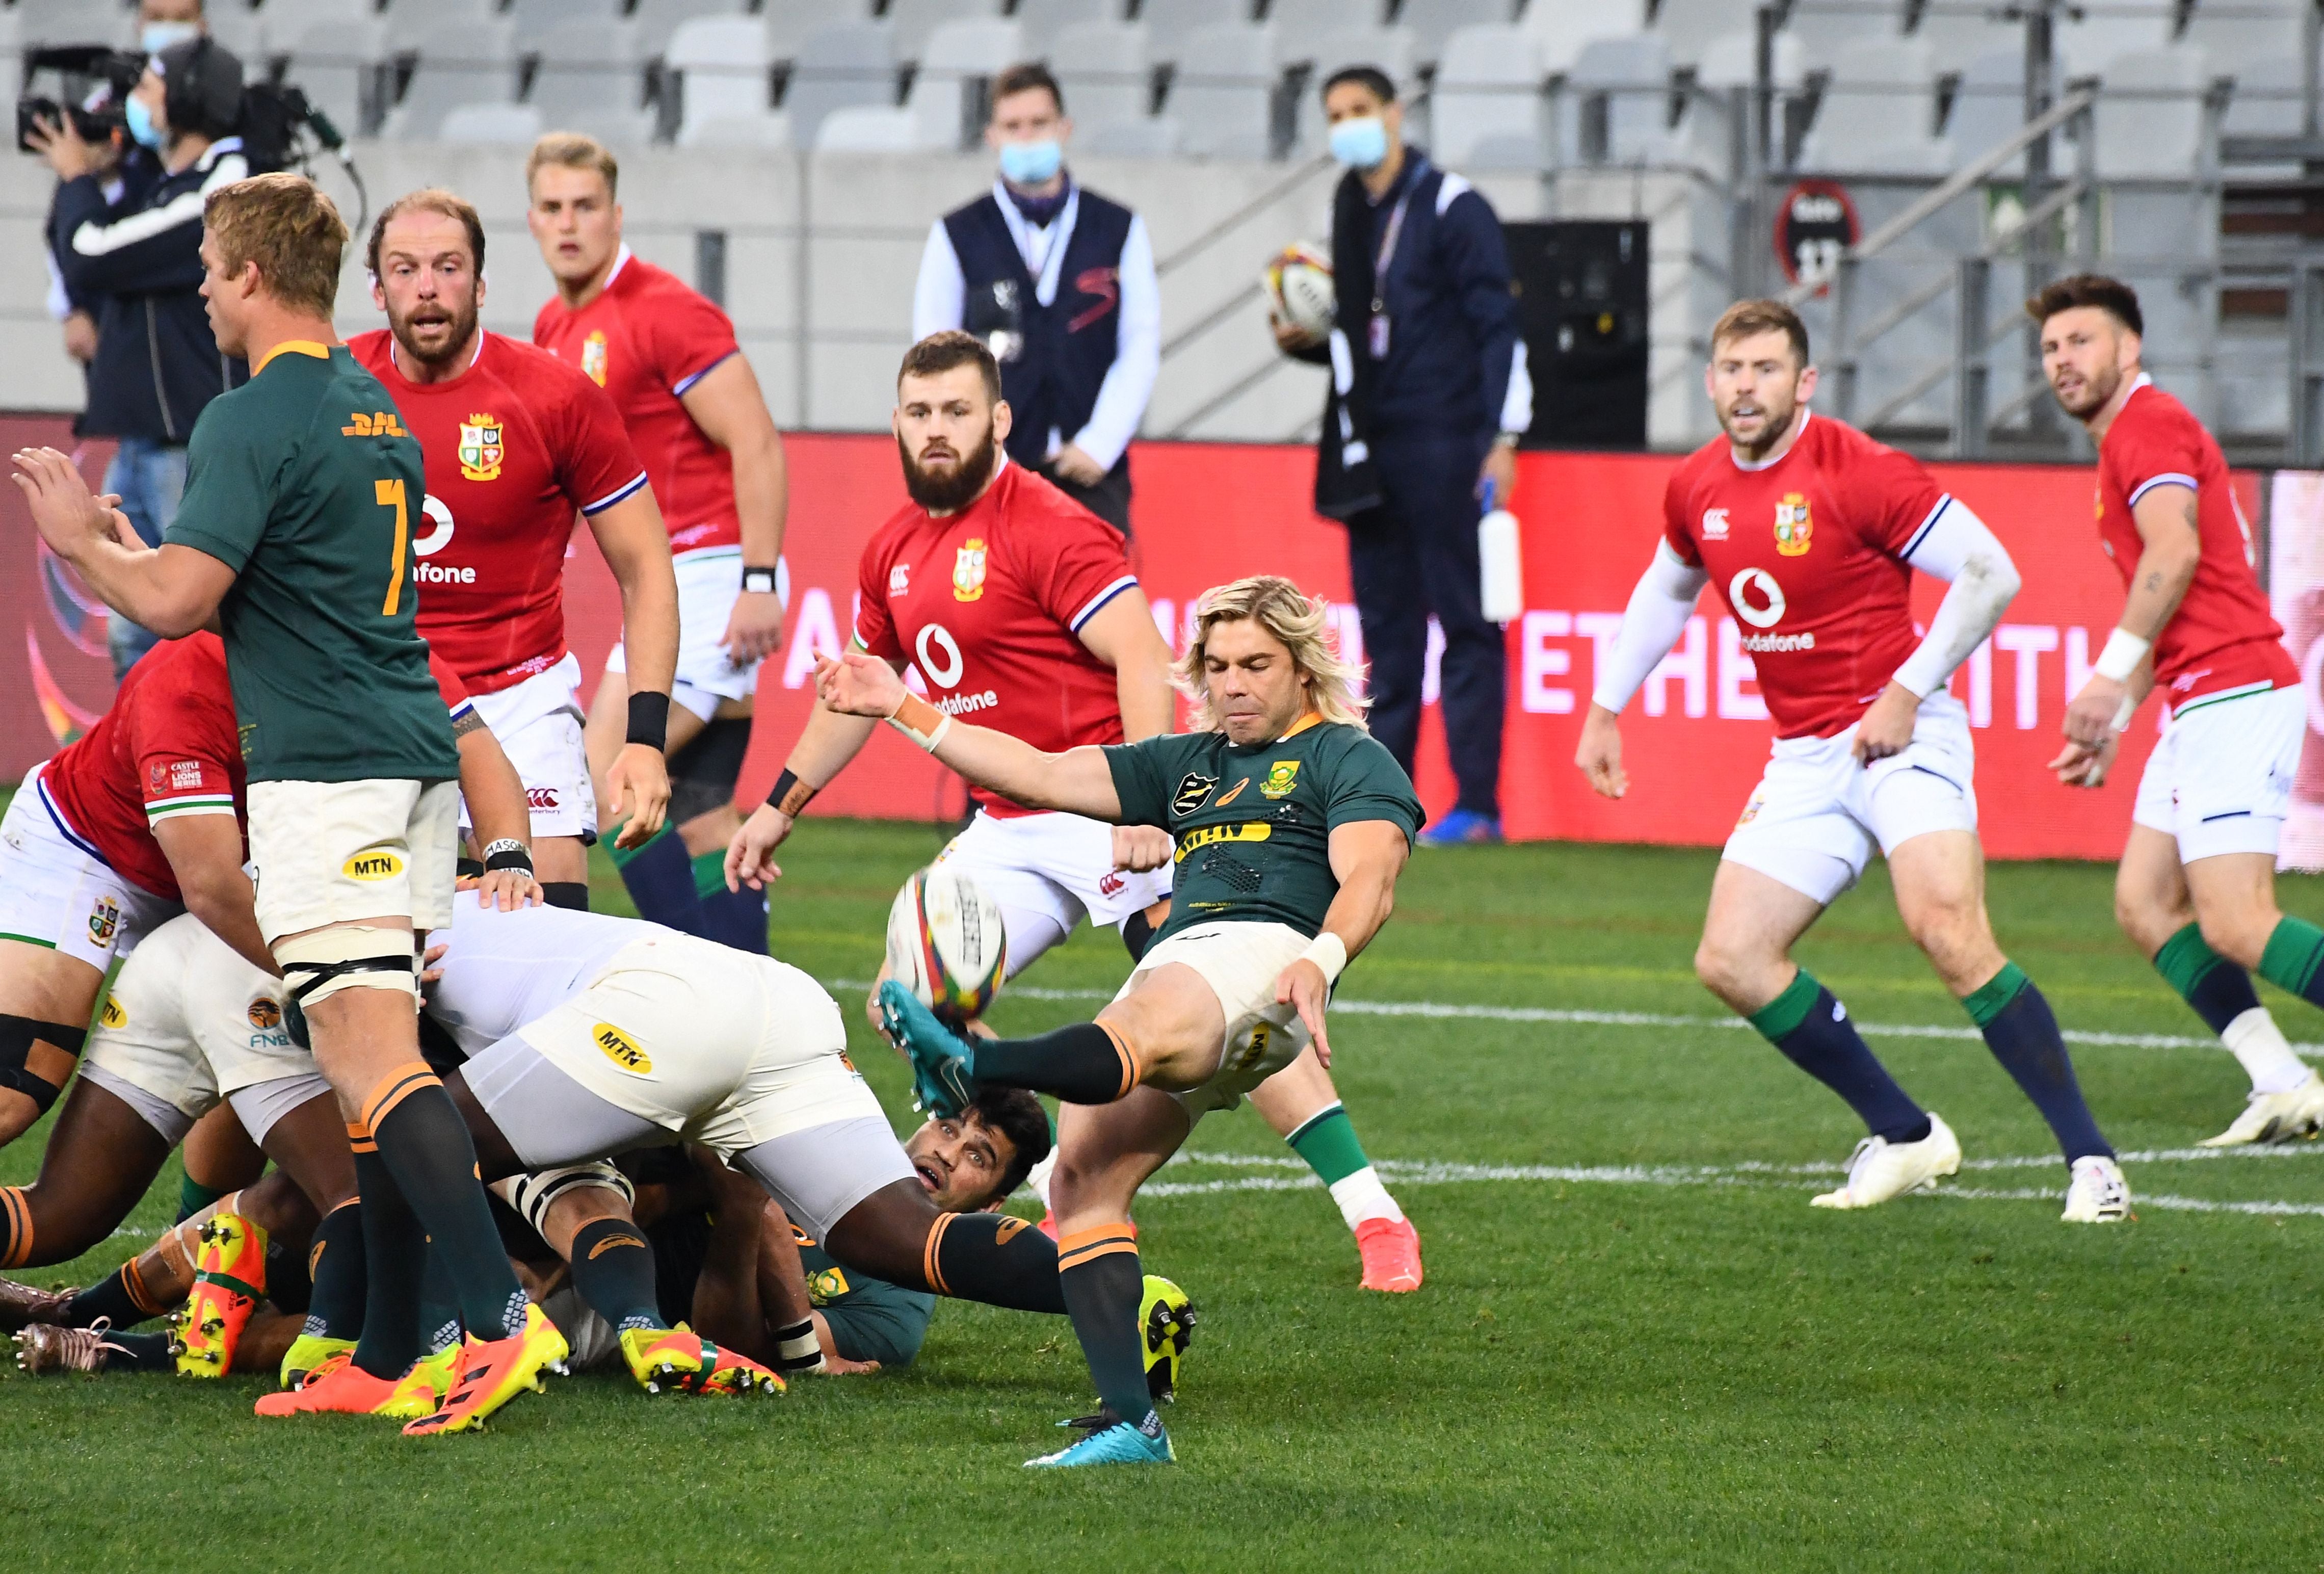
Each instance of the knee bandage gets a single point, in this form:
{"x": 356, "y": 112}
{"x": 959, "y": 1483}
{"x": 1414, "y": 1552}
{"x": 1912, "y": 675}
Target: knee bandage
{"x": 533, "y": 1193}
{"x": 18, "y": 1035}
{"x": 348, "y": 956}
{"x": 701, "y": 774}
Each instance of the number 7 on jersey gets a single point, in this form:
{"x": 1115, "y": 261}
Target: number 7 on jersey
{"x": 390, "y": 495}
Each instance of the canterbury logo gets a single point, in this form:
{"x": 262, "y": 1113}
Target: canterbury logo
{"x": 372, "y": 866}
{"x": 379, "y": 423}
{"x": 1009, "y": 1225}
{"x": 610, "y": 1241}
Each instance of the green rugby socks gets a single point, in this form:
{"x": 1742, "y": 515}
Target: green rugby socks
{"x": 1098, "y": 1271}
{"x": 2294, "y": 958}
{"x": 2222, "y": 995}
{"x": 2023, "y": 1034}
{"x": 613, "y": 1270}
{"x": 193, "y": 1197}
{"x": 1085, "y": 1062}
{"x": 1813, "y": 1030}
{"x": 1327, "y": 1141}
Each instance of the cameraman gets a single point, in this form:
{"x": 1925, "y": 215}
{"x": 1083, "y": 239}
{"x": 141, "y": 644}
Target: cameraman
{"x": 136, "y": 260}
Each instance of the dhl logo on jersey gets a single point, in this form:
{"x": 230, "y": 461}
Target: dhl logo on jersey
{"x": 1794, "y": 531}
{"x": 622, "y": 1050}
{"x": 378, "y": 423}
{"x": 481, "y": 450}
{"x": 1242, "y": 830}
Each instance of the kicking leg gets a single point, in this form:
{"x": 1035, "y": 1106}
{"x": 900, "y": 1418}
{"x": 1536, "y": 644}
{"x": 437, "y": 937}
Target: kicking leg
{"x": 1304, "y": 1109}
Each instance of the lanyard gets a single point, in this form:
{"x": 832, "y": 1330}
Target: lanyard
{"x": 1388, "y": 238}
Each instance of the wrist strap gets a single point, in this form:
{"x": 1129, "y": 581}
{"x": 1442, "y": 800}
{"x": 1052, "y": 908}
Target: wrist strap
{"x": 508, "y": 853}
{"x": 790, "y": 794}
{"x": 921, "y": 722}
{"x": 1329, "y": 952}
{"x": 2124, "y": 650}
{"x": 763, "y": 579}
{"x": 649, "y": 719}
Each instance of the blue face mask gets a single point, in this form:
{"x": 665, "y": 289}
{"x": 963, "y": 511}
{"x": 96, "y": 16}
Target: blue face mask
{"x": 1360, "y": 143}
{"x": 158, "y": 36}
{"x": 141, "y": 124}
{"x": 1030, "y": 163}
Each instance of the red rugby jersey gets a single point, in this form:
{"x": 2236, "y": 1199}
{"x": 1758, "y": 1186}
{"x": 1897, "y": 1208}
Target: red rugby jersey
{"x": 646, "y": 339}
{"x": 2223, "y": 636}
{"x": 1809, "y": 553}
{"x": 513, "y": 446}
{"x": 989, "y": 603}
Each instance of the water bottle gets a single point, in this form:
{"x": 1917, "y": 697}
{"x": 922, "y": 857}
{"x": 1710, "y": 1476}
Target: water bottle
{"x": 1501, "y": 565}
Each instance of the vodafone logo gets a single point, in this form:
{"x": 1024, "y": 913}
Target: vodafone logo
{"x": 440, "y": 516}
{"x": 939, "y": 656}
{"x": 1756, "y": 597}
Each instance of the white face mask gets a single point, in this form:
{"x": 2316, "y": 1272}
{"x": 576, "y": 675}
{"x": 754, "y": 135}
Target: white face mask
{"x": 156, "y": 36}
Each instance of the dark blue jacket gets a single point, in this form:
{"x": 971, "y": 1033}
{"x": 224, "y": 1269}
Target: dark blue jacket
{"x": 1453, "y": 345}
{"x": 138, "y": 265}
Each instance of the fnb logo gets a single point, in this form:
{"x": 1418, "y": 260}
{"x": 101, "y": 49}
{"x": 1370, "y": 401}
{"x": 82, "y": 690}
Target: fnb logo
{"x": 378, "y": 423}
{"x": 542, "y": 797}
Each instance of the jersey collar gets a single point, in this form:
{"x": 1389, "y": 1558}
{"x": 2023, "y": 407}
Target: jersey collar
{"x": 294, "y": 346}
{"x": 620, "y": 260}
{"x": 1313, "y": 719}
{"x": 1806, "y": 415}
{"x": 474, "y": 361}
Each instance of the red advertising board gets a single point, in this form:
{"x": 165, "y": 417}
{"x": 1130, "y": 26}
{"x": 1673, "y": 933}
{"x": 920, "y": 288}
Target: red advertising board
{"x": 1696, "y": 738}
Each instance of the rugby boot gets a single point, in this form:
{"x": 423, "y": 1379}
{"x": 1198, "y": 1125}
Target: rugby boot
{"x": 308, "y": 1353}
{"x": 941, "y": 1082}
{"x": 680, "y": 1361}
{"x": 1166, "y": 1327}
{"x": 2275, "y": 1117}
{"x": 421, "y": 1390}
{"x": 1119, "y": 1444}
{"x": 1390, "y": 1248}
{"x": 1879, "y": 1169}
{"x": 21, "y": 1305}
{"x": 493, "y": 1372}
{"x": 45, "y": 1347}
{"x": 2098, "y": 1194}
{"x": 229, "y": 1281}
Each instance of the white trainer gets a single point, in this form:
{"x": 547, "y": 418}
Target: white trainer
{"x": 1879, "y": 1169}
{"x": 2098, "y": 1194}
{"x": 2276, "y": 1117}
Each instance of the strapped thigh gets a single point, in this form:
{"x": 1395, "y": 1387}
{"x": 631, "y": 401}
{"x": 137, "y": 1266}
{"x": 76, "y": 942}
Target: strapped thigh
{"x": 18, "y": 1035}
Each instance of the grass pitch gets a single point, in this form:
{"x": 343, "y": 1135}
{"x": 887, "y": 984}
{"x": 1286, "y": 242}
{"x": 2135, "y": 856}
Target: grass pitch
{"x": 1637, "y": 1347}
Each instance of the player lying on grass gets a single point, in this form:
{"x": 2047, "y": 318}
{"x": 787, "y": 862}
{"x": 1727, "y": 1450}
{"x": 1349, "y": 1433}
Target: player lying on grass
{"x": 2196, "y": 888}
{"x": 589, "y": 1035}
{"x": 1810, "y": 531}
{"x": 1018, "y": 603}
{"x": 1290, "y": 823}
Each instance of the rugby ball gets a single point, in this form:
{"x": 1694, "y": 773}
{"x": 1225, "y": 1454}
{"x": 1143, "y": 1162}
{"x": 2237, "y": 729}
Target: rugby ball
{"x": 946, "y": 944}
{"x": 1299, "y": 288}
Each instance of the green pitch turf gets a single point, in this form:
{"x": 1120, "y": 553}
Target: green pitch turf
{"x": 1637, "y": 1347}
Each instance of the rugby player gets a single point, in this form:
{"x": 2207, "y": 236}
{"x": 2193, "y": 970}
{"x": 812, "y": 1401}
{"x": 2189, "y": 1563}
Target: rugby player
{"x": 668, "y": 358}
{"x": 515, "y": 443}
{"x": 1810, "y": 533}
{"x": 2196, "y": 888}
{"x": 1015, "y": 604}
{"x": 295, "y": 535}
{"x": 1290, "y": 823}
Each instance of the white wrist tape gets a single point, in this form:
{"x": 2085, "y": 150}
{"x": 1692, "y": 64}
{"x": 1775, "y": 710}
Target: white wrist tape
{"x": 2124, "y": 712}
{"x": 921, "y": 722}
{"x": 2124, "y": 650}
{"x": 1329, "y": 952}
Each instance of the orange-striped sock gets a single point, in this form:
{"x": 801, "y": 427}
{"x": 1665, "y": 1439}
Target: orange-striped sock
{"x": 1103, "y": 1282}
{"x": 997, "y": 1258}
{"x": 1089, "y": 1062}
{"x": 15, "y": 1227}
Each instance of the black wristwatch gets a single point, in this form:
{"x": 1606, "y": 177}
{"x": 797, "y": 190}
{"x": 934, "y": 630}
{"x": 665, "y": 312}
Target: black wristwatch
{"x": 760, "y": 579}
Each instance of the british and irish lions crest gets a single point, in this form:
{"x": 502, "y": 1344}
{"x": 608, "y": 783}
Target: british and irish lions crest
{"x": 1793, "y": 528}
{"x": 968, "y": 569}
{"x": 480, "y": 449}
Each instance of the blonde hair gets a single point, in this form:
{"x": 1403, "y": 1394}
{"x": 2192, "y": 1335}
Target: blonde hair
{"x": 292, "y": 230}
{"x": 1298, "y": 621}
{"x": 573, "y": 150}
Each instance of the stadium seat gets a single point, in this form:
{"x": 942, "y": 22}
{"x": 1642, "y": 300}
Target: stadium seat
{"x": 590, "y": 78}
{"x": 1688, "y": 27}
{"x": 911, "y": 23}
{"x": 245, "y": 33}
{"x": 1878, "y": 113}
{"x": 2237, "y": 35}
{"x": 1732, "y": 61}
{"x": 1168, "y": 23}
{"x": 845, "y": 66}
{"x": 1222, "y": 96}
{"x": 55, "y": 22}
{"x": 419, "y": 18}
{"x": 476, "y": 66}
{"x": 768, "y": 133}
{"x": 1488, "y": 109}
{"x": 532, "y": 18}
{"x": 720, "y": 64}
{"x": 1043, "y": 20}
{"x": 2150, "y": 116}
{"x": 1154, "y": 137}
{"x": 2085, "y": 46}
{"x": 657, "y": 20}
{"x": 1391, "y": 48}
{"x": 1298, "y": 23}
{"x": 867, "y": 128}
{"x": 1957, "y": 35}
{"x": 1433, "y": 21}
{"x": 1562, "y": 31}
{"x": 518, "y": 125}
{"x": 958, "y": 60}
{"x": 1989, "y": 108}
{"x": 342, "y": 67}
{"x": 2268, "y": 98}
{"x": 1616, "y": 106}
{"x": 1101, "y": 68}
{"x": 790, "y": 23}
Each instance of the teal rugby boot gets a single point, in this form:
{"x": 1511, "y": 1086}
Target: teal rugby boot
{"x": 941, "y": 1082}
{"x": 1119, "y": 1444}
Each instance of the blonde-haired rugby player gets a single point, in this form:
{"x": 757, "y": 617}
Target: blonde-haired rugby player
{"x": 1291, "y": 824}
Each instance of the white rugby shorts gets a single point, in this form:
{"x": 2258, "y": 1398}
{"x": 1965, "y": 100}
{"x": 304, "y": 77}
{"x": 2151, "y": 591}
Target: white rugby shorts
{"x": 2220, "y": 779}
{"x": 1239, "y": 960}
{"x": 1055, "y": 869}
{"x": 708, "y": 581}
{"x": 334, "y": 852}
{"x": 188, "y": 1023}
{"x": 56, "y": 892}
{"x": 1816, "y": 816}
{"x": 538, "y": 723}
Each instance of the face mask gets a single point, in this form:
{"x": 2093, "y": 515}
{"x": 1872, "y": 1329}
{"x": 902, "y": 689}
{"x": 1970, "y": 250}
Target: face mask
{"x": 1360, "y": 143}
{"x": 141, "y": 124}
{"x": 158, "y": 36}
{"x": 1029, "y": 163}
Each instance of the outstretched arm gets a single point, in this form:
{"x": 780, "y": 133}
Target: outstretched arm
{"x": 1078, "y": 781}
{"x": 1367, "y": 856}
{"x": 1651, "y": 624}
{"x": 823, "y": 750}
{"x": 172, "y": 590}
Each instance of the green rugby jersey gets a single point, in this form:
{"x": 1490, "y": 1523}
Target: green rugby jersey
{"x": 1253, "y": 825}
{"x": 304, "y": 482}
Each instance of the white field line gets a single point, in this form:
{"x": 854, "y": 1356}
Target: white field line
{"x": 1537, "y": 1013}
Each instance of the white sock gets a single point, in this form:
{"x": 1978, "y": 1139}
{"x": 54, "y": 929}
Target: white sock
{"x": 1037, "y": 1178}
{"x": 1360, "y": 1196}
{"x": 2267, "y": 1060}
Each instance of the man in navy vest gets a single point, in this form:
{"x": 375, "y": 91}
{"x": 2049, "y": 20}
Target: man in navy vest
{"x": 1060, "y": 284}
{"x": 1430, "y": 395}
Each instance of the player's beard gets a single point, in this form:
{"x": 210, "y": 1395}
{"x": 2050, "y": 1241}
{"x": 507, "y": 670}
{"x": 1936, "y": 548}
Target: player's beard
{"x": 2101, "y": 388}
{"x": 1771, "y": 431}
{"x": 464, "y": 328}
{"x": 946, "y": 491}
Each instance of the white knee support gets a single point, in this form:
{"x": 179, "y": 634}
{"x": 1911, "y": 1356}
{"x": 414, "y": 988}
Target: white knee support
{"x": 532, "y": 1194}
{"x": 320, "y": 963}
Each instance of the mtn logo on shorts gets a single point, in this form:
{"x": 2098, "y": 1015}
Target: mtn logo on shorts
{"x": 375, "y": 863}
{"x": 112, "y": 1015}
{"x": 622, "y": 1050}
{"x": 265, "y": 1014}
{"x": 379, "y": 423}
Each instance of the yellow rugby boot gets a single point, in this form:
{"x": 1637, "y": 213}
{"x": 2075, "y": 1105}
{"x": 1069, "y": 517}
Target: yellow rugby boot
{"x": 229, "y": 1281}
{"x": 493, "y": 1372}
{"x": 680, "y": 1361}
